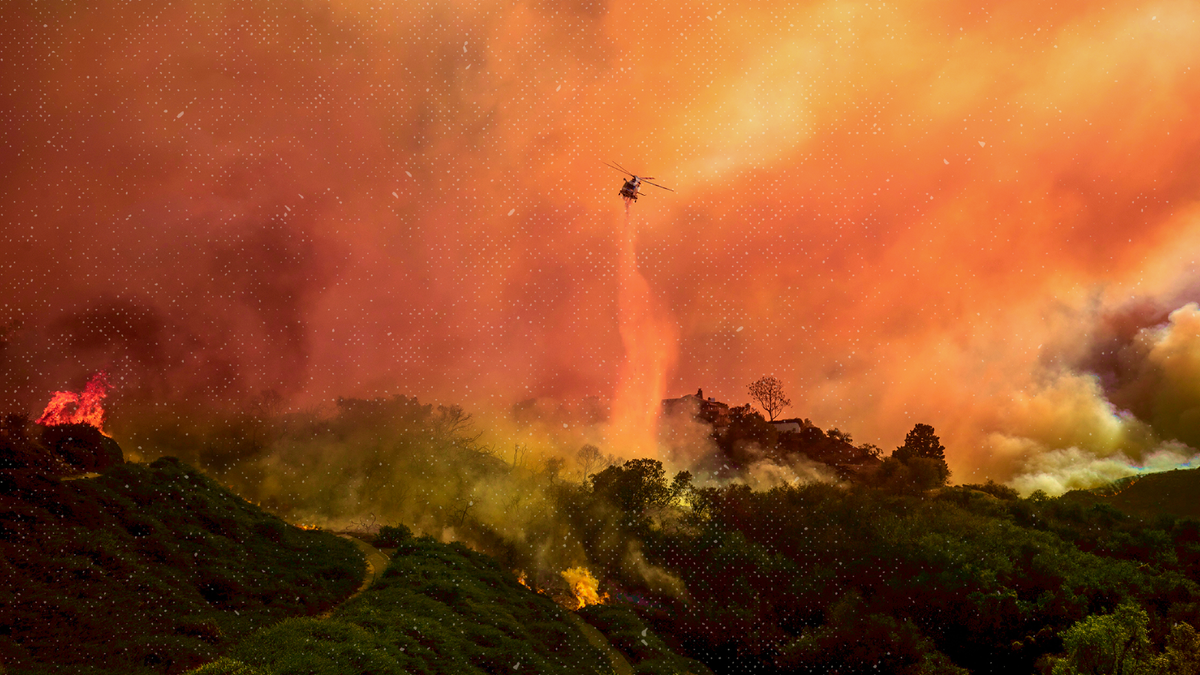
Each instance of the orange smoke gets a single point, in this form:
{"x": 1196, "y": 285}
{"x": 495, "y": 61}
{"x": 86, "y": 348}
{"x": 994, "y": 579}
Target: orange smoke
{"x": 584, "y": 586}
{"x": 86, "y": 407}
{"x": 896, "y": 207}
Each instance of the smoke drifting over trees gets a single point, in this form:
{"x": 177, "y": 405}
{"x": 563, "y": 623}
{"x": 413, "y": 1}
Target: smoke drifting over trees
{"x": 338, "y": 224}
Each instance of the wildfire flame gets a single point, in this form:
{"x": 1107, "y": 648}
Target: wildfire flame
{"x": 584, "y": 586}
{"x": 68, "y": 407}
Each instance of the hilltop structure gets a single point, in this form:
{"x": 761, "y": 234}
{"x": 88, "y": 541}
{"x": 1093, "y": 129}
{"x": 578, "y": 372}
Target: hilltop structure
{"x": 709, "y": 409}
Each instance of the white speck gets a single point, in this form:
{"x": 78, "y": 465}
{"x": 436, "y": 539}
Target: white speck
{"x": 288, "y": 208}
{"x": 564, "y": 425}
{"x": 389, "y": 334}
{"x": 518, "y": 666}
{"x": 409, "y": 173}
{"x": 710, "y": 18}
{"x": 946, "y": 161}
{"x": 739, "y": 329}
{"x": 644, "y": 631}
{"x": 396, "y": 195}
{"x": 179, "y": 115}
{"x": 300, "y": 196}
{"x": 1154, "y": 18}
{"x": 981, "y": 144}
{"x": 464, "y": 47}
{"x": 557, "y": 88}
{"x": 511, "y": 211}
{"x": 468, "y": 67}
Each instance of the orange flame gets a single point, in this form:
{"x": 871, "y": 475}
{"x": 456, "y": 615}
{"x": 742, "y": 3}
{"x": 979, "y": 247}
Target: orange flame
{"x": 66, "y": 407}
{"x": 584, "y": 586}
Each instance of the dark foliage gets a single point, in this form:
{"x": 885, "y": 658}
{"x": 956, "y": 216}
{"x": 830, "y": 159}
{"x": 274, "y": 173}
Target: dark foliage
{"x": 63, "y": 449}
{"x": 149, "y": 569}
{"x": 822, "y": 578}
{"x": 638, "y": 643}
{"x": 391, "y": 536}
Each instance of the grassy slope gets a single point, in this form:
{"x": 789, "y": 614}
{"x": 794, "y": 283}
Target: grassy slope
{"x": 149, "y": 568}
{"x": 437, "y": 609}
{"x": 1171, "y": 492}
{"x": 644, "y": 649}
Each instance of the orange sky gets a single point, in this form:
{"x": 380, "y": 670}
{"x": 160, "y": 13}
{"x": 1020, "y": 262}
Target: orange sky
{"x": 938, "y": 212}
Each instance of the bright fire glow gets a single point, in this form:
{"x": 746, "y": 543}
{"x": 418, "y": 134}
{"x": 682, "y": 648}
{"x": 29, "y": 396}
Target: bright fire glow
{"x": 85, "y": 407}
{"x": 584, "y": 586}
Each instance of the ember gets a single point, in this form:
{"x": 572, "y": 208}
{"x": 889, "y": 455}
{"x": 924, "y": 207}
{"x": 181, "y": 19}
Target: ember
{"x": 67, "y": 407}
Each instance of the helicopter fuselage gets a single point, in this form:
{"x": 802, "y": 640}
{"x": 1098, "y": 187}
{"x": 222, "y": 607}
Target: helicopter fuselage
{"x": 630, "y": 189}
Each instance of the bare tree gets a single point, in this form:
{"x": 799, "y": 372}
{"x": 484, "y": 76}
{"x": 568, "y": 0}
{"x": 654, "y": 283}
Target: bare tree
{"x": 589, "y": 458}
{"x": 768, "y": 393}
{"x": 520, "y": 453}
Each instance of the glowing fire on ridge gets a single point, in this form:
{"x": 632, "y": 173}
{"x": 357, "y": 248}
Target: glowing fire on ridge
{"x": 584, "y": 586}
{"x": 68, "y": 407}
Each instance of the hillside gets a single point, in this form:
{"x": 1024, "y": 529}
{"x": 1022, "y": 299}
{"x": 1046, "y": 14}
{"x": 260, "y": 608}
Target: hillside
{"x": 149, "y": 569}
{"x": 442, "y": 608}
{"x": 1171, "y": 492}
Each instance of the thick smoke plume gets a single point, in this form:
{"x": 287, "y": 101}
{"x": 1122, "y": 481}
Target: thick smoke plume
{"x": 902, "y": 210}
{"x": 1125, "y": 400}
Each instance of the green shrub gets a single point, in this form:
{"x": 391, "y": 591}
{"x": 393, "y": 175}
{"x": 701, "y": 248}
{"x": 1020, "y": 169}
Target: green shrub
{"x": 391, "y": 536}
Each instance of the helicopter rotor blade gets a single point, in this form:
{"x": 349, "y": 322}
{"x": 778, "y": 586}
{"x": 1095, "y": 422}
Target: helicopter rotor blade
{"x": 618, "y": 168}
{"x": 658, "y": 186}
{"x": 626, "y": 170}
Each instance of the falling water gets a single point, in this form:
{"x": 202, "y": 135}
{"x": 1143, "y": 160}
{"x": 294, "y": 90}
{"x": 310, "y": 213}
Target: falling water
{"x": 650, "y": 340}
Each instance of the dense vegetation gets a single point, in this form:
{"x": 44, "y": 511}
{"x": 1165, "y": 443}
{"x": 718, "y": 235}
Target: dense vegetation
{"x": 1170, "y": 492}
{"x": 892, "y": 571}
{"x": 149, "y": 569}
{"x": 644, "y": 649}
{"x": 438, "y": 608}
{"x": 861, "y": 579}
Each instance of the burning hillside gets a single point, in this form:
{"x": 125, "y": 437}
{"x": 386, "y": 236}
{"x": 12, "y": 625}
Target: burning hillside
{"x": 85, "y": 407}
{"x": 68, "y": 437}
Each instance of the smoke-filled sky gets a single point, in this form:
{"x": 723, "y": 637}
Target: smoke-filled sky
{"x": 979, "y": 216}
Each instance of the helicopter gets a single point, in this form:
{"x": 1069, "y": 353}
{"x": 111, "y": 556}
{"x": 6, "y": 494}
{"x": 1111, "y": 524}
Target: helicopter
{"x": 630, "y": 189}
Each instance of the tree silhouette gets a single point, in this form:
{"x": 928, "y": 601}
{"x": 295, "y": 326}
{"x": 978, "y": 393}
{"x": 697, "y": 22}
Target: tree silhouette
{"x": 768, "y": 393}
{"x": 633, "y": 486}
{"x": 923, "y": 443}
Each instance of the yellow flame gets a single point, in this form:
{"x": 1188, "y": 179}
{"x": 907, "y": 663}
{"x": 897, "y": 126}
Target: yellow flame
{"x": 584, "y": 586}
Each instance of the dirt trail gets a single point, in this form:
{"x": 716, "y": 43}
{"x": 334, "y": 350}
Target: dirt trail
{"x": 594, "y": 636}
{"x": 377, "y": 562}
